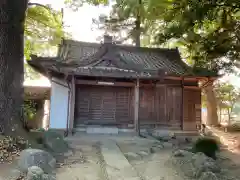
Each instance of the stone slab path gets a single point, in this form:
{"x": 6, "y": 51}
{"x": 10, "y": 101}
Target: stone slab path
{"x": 116, "y": 164}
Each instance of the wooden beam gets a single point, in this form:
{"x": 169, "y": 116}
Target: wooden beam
{"x": 194, "y": 78}
{"x": 105, "y": 83}
{"x": 192, "y": 87}
{"x": 180, "y": 78}
{"x": 72, "y": 105}
{"x": 136, "y": 108}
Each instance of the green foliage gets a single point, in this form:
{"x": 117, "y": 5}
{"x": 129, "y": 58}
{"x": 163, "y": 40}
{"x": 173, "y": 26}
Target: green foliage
{"x": 43, "y": 32}
{"x": 43, "y": 29}
{"x": 208, "y": 146}
{"x": 30, "y": 110}
{"x": 208, "y": 30}
{"x": 227, "y": 96}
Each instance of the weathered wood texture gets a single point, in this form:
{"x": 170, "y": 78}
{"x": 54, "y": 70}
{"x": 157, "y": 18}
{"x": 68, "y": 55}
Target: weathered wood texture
{"x": 192, "y": 109}
{"x": 104, "y": 105}
{"x": 161, "y": 106}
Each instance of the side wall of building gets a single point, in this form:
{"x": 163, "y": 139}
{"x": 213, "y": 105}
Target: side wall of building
{"x": 59, "y": 104}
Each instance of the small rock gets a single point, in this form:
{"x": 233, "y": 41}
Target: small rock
{"x": 208, "y": 176}
{"x": 182, "y": 153}
{"x": 48, "y": 177}
{"x": 35, "y": 173}
{"x": 183, "y": 140}
{"x": 155, "y": 149}
{"x": 160, "y": 146}
{"x": 131, "y": 155}
{"x": 143, "y": 153}
{"x": 163, "y": 135}
{"x": 167, "y": 145}
{"x": 69, "y": 153}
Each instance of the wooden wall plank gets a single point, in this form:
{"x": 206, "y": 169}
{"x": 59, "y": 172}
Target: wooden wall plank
{"x": 103, "y": 104}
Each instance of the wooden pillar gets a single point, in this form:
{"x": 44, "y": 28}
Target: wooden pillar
{"x": 72, "y": 103}
{"x": 182, "y": 104}
{"x": 136, "y": 108}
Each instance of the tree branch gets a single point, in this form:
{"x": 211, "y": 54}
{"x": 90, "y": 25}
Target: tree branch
{"x": 46, "y": 7}
{"x": 38, "y": 4}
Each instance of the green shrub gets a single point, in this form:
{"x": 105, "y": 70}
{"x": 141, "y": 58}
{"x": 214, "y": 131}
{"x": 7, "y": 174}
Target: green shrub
{"x": 208, "y": 146}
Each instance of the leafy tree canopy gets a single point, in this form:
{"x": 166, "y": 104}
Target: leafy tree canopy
{"x": 43, "y": 31}
{"x": 208, "y": 30}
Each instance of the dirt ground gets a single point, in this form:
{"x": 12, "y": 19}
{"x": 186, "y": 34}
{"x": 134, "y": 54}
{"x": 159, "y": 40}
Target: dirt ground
{"x": 146, "y": 157}
{"x": 150, "y": 165}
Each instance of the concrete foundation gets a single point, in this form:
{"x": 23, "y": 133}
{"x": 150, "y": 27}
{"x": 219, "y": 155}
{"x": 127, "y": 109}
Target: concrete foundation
{"x": 115, "y": 130}
{"x": 101, "y": 130}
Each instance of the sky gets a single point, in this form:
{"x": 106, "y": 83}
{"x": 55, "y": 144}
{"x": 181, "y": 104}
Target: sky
{"x": 79, "y": 23}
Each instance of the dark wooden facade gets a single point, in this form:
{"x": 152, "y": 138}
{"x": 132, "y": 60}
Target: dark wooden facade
{"x": 103, "y": 105}
{"x": 164, "y": 104}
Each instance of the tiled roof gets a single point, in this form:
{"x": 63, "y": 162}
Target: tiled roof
{"x": 112, "y": 60}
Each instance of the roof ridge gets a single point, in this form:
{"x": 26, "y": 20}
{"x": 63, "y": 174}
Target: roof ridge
{"x": 128, "y": 47}
{"x": 77, "y": 43}
{"x": 122, "y": 46}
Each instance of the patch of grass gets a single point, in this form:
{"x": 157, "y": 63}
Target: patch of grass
{"x": 208, "y": 146}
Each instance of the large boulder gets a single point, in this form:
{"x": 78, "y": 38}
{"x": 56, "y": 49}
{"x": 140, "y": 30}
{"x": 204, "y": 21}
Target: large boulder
{"x": 36, "y": 157}
{"x": 194, "y": 165}
{"x": 35, "y": 173}
{"x": 202, "y": 163}
{"x": 55, "y": 142}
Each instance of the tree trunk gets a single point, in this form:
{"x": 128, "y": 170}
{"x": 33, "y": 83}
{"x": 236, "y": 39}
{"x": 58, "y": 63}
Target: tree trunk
{"x": 137, "y": 33}
{"x": 138, "y": 27}
{"x": 212, "y": 117}
{"x": 12, "y": 17}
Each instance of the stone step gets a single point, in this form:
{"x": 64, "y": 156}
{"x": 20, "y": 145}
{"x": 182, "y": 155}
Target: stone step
{"x": 116, "y": 164}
